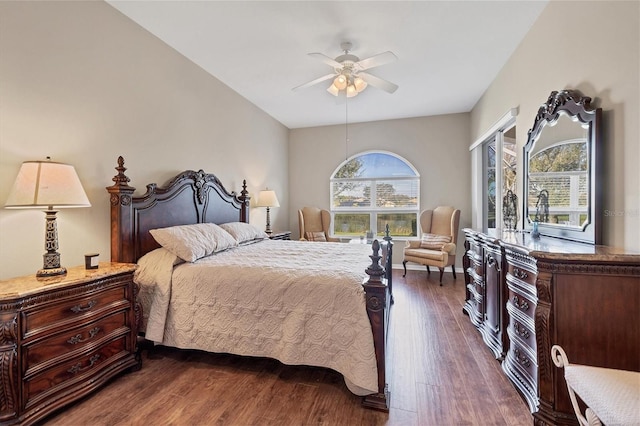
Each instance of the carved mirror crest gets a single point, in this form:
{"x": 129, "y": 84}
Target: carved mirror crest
{"x": 562, "y": 169}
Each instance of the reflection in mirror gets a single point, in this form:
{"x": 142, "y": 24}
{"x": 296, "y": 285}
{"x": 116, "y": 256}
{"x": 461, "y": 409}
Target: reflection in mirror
{"x": 561, "y": 167}
{"x": 558, "y": 175}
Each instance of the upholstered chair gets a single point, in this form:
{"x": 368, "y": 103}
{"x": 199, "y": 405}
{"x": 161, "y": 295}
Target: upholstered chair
{"x": 315, "y": 224}
{"x": 437, "y": 247}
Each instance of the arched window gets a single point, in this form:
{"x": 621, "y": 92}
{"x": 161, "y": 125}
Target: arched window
{"x": 374, "y": 189}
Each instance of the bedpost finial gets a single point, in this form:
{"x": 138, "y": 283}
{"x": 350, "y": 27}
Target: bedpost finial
{"x": 375, "y": 271}
{"x": 121, "y": 181}
{"x": 244, "y": 191}
{"x": 387, "y": 236}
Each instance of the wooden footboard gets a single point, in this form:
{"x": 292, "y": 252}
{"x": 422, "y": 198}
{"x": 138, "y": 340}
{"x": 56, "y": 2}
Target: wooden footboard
{"x": 379, "y": 298}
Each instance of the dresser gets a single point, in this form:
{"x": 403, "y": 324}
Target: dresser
{"x": 526, "y": 295}
{"x": 64, "y": 337}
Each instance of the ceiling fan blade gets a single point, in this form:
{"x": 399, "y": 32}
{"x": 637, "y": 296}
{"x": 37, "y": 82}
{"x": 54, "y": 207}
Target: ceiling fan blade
{"x": 312, "y": 82}
{"x": 376, "y": 60}
{"x": 327, "y": 60}
{"x": 385, "y": 85}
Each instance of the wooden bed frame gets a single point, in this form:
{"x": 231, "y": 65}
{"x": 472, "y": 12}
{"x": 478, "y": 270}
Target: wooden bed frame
{"x": 199, "y": 197}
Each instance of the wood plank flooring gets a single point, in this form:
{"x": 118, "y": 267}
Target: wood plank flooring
{"x": 441, "y": 374}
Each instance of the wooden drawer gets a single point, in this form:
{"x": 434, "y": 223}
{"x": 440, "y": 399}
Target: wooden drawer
{"x": 522, "y": 362}
{"x": 476, "y": 248}
{"x": 70, "y": 310}
{"x": 478, "y": 284}
{"x": 474, "y": 306}
{"x": 477, "y": 266}
{"x": 47, "y": 352}
{"x": 523, "y": 332}
{"x": 521, "y": 274}
{"x": 518, "y": 302}
{"x": 77, "y": 369}
{"x": 521, "y": 366}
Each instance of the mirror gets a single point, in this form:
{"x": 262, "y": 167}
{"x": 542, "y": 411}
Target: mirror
{"x": 562, "y": 168}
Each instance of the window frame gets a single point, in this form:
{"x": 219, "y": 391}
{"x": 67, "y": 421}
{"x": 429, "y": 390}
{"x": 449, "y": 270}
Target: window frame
{"x": 479, "y": 172}
{"x": 373, "y": 210}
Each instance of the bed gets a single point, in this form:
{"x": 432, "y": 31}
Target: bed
{"x": 318, "y": 304}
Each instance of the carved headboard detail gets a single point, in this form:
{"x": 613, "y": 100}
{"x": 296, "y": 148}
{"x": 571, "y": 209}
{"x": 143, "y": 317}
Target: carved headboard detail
{"x": 190, "y": 197}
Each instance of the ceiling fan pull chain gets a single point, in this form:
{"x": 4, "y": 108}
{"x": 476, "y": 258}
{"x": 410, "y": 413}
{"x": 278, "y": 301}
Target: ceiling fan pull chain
{"x": 346, "y": 128}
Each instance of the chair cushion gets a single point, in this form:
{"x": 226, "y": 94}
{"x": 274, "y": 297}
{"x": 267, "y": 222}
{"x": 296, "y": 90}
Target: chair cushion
{"x": 421, "y": 253}
{"x": 612, "y": 394}
{"x": 315, "y": 236}
{"x": 434, "y": 242}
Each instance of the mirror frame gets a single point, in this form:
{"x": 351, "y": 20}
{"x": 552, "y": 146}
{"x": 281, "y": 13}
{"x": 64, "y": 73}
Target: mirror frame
{"x": 578, "y": 108}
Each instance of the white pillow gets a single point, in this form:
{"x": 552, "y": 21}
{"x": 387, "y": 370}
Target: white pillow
{"x": 434, "y": 242}
{"x": 192, "y": 242}
{"x": 244, "y": 232}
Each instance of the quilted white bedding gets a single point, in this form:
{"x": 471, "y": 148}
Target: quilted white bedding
{"x": 301, "y": 303}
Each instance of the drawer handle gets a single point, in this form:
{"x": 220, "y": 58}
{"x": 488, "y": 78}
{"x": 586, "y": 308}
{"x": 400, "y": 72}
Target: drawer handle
{"x": 78, "y": 337}
{"x": 519, "y": 273}
{"x": 522, "y": 305}
{"x": 77, "y": 368}
{"x": 522, "y": 331}
{"x": 89, "y": 305}
{"x": 522, "y": 359}
{"x": 491, "y": 262}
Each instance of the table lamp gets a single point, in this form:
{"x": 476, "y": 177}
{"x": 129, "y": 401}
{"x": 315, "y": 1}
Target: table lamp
{"x": 268, "y": 199}
{"x": 48, "y": 185}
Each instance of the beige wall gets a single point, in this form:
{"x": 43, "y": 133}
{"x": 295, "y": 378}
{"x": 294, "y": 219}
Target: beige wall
{"x": 436, "y": 146}
{"x": 83, "y": 84}
{"x": 592, "y": 46}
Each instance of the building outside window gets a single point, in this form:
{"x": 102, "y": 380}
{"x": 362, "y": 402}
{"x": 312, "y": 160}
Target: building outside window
{"x": 372, "y": 190}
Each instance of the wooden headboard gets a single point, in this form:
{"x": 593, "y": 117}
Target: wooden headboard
{"x": 190, "y": 197}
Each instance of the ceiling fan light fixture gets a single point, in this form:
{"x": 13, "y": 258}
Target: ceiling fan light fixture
{"x": 348, "y": 72}
{"x": 359, "y": 84}
{"x": 351, "y": 91}
{"x": 340, "y": 82}
{"x": 333, "y": 90}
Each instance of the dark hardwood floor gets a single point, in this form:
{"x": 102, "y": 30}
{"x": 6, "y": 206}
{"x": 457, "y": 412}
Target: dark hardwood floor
{"x": 441, "y": 374}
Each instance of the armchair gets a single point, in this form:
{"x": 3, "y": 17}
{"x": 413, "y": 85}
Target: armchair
{"x": 438, "y": 244}
{"x": 315, "y": 224}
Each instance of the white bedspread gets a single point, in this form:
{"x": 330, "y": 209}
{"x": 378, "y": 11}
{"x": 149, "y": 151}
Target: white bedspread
{"x": 301, "y": 303}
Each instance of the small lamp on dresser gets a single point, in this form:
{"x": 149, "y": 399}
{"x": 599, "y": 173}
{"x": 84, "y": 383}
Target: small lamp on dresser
{"x": 48, "y": 185}
{"x": 268, "y": 199}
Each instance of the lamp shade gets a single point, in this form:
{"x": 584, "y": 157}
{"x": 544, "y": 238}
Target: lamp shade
{"x": 46, "y": 184}
{"x": 333, "y": 90}
{"x": 267, "y": 198}
{"x": 340, "y": 82}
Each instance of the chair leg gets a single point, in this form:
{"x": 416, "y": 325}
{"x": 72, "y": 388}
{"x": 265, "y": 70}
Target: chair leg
{"x": 428, "y": 270}
{"x": 441, "y": 272}
{"x": 453, "y": 269}
{"x": 404, "y": 265}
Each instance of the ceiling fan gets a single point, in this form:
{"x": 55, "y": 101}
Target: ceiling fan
{"x": 348, "y": 72}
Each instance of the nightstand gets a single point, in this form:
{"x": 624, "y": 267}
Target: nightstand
{"x": 64, "y": 337}
{"x": 284, "y": 235}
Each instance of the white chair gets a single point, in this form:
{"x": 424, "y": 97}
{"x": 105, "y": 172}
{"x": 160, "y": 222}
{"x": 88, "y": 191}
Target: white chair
{"x": 612, "y": 396}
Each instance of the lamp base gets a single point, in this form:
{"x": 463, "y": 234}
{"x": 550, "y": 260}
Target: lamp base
{"x": 268, "y": 228}
{"x": 51, "y": 259}
{"x": 51, "y": 272}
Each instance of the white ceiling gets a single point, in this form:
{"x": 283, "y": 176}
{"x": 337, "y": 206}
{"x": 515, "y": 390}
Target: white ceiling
{"x": 448, "y": 51}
